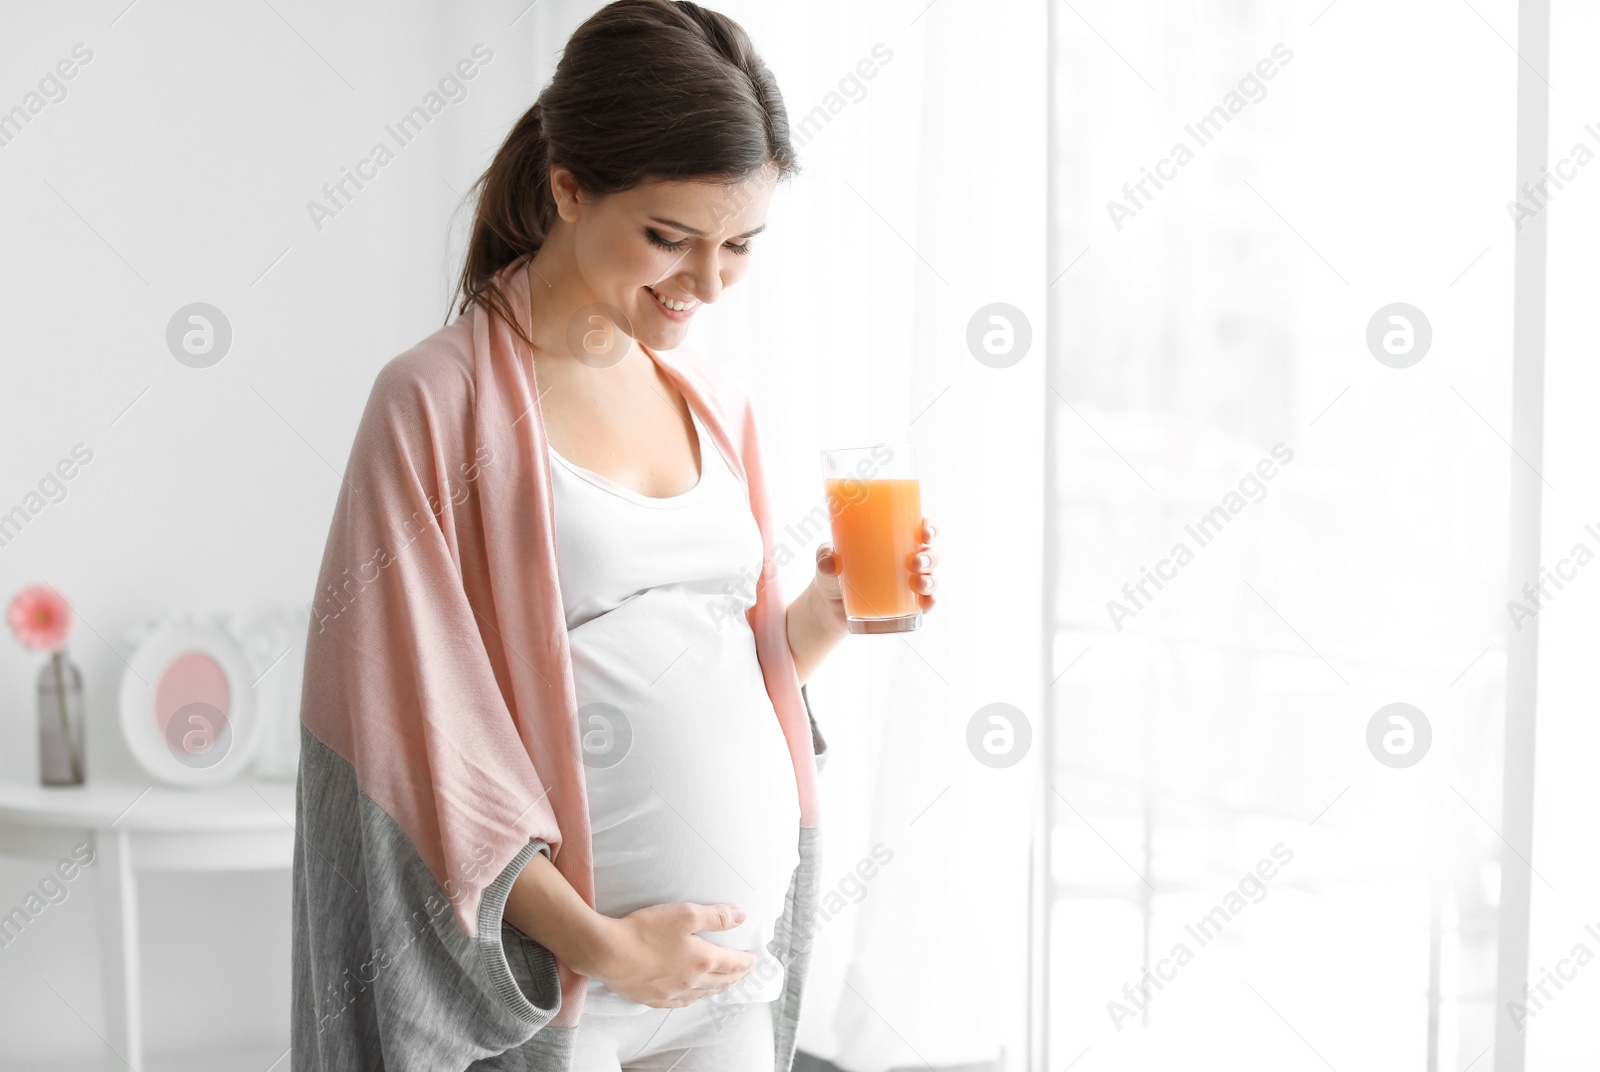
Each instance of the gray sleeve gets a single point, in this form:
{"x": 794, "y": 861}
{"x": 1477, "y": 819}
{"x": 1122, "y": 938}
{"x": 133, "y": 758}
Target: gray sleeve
{"x": 819, "y": 746}
{"x": 383, "y": 978}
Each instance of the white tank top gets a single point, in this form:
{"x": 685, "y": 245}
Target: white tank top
{"x": 692, "y": 793}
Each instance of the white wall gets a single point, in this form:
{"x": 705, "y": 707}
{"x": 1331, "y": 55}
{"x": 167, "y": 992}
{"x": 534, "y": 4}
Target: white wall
{"x": 176, "y": 170}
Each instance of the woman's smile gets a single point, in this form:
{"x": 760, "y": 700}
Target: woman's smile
{"x": 679, "y": 312}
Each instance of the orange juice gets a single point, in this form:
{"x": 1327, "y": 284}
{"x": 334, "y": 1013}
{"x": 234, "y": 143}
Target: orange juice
{"x": 876, "y": 527}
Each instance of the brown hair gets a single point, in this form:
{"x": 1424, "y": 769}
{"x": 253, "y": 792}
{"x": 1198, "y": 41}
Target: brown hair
{"x": 645, "y": 90}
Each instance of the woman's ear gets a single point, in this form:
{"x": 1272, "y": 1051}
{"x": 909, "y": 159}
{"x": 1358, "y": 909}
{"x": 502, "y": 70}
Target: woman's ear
{"x": 566, "y": 192}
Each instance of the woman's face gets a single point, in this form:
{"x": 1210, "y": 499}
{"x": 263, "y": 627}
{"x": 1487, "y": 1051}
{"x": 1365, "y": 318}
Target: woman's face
{"x": 683, "y": 241}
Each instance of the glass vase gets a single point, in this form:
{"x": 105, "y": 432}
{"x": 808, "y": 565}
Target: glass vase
{"x": 60, "y": 722}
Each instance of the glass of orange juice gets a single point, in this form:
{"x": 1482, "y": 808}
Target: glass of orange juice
{"x": 875, "y": 503}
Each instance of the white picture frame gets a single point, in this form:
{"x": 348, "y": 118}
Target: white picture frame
{"x": 187, "y": 707}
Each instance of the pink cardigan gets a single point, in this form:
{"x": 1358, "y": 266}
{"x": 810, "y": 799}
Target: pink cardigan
{"x": 437, "y": 665}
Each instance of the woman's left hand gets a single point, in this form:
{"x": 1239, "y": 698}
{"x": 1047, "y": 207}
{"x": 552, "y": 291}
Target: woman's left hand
{"x": 923, "y": 560}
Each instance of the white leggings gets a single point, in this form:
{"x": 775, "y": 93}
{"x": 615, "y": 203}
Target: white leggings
{"x": 699, "y": 1037}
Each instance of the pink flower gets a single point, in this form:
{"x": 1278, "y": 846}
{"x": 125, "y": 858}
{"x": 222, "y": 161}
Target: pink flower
{"x": 40, "y": 618}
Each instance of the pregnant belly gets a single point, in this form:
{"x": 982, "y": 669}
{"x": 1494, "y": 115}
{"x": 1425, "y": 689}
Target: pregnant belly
{"x": 691, "y": 788}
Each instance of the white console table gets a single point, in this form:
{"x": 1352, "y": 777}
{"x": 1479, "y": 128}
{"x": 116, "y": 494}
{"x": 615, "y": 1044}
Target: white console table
{"x": 242, "y": 826}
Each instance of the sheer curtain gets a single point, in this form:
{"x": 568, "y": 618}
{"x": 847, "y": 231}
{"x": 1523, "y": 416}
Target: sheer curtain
{"x": 1560, "y": 1029}
{"x": 921, "y": 131}
{"x": 1273, "y": 526}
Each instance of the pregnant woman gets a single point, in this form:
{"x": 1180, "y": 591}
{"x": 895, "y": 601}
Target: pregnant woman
{"x": 557, "y": 805}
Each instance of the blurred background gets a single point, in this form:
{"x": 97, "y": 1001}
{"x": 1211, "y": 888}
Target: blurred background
{"x": 1239, "y": 343}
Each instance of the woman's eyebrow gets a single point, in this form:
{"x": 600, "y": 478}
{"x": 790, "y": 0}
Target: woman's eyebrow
{"x": 676, "y": 226}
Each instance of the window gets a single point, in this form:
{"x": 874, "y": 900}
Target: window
{"x": 1281, "y": 349}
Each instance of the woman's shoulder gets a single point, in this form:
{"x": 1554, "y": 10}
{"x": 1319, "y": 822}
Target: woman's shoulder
{"x": 719, "y": 386}
{"x": 440, "y": 363}
{"x": 433, "y": 376}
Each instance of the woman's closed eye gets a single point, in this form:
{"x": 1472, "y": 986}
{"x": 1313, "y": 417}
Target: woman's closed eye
{"x": 678, "y": 246}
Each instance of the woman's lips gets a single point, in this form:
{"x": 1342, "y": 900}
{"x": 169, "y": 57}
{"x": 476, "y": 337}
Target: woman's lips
{"x": 675, "y": 315}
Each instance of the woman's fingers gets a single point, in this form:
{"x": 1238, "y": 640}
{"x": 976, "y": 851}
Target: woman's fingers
{"x": 735, "y": 963}
{"x": 923, "y": 561}
{"x": 924, "y": 558}
{"x": 827, "y": 561}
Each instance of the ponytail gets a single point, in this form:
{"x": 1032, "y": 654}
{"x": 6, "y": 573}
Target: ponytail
{"x": 515, "y": 208}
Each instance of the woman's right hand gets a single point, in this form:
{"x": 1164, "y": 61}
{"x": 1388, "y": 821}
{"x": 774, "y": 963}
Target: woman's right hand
{"x": 656, "y": 957}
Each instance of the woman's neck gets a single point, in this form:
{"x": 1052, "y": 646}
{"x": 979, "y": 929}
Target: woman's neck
{"x": 556, "y": 293}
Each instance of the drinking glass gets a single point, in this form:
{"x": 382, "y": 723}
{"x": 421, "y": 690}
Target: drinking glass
{"x": 875, "y": 503}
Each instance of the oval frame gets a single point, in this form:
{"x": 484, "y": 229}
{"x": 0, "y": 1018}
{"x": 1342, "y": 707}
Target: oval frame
{"x": 136, "y": 704}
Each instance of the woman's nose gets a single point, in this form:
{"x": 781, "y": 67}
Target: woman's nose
{"x": 703, "y": 278}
